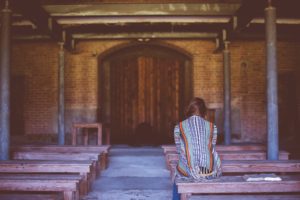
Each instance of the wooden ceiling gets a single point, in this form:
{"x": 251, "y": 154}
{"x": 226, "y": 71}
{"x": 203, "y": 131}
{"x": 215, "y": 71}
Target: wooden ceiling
{"x": 74, "y": 20}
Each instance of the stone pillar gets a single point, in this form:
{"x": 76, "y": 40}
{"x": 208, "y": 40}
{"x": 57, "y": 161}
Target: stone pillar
{"x": 5, "y": 49}
{"x": 227, "y": 94}
{"x": 61, "y": 97}
{"x": 271, "y": 63}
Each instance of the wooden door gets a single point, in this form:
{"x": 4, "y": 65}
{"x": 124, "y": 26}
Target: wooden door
{"x": 146, "y": 96}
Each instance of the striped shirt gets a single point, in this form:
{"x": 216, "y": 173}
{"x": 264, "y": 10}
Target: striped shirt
{"x": 195, "y": 140}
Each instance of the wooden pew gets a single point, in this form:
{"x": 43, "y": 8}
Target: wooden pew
{"x": 26, "y": 196}
{"x": 237, "y": 185}
{"x": 40, "y": 176}
{"x": 232, "y": 155}
{"x": 233, "y": 147}
{"x": 237, "y": 155}
{"x": 83, "y": 168}
{"x": 254, "y": 166}
{"x": 261, "y": 166}
{"x": 69, "y": 188}
{"x": 34, "y": 155}
{"x": 247, "y": 197}
{"x": 103, "y": 149}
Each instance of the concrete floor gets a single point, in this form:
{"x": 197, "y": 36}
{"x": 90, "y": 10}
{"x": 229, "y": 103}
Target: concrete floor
{"x": 134, "y": 173}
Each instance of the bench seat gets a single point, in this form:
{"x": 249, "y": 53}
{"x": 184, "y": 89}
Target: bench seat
{"x": 233, "y": 147}
{"x": 103, "y": 149}
{"x": 237, "y": 185}
{"x": 234, "y": 155}
{"x": 254, "y": 166}
{"x": 34, "y": 155}
{"x": 83, "y": 168}
{"x": 69, "y": 188}
{"x": 30, "y": 196}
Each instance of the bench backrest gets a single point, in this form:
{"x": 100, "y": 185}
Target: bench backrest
{"x": 237, "y": 184}
{"x": 65, "y": 148}
{"x": 248, "y": 147}
{"x": 33, "y": 155}
{"x": 236, "y": 155}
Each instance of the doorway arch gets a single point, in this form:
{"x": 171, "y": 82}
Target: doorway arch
{"x": 143, "y": 91}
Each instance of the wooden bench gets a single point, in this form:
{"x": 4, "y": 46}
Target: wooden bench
{"x": 232, "y": 147}
{"x": 260, "y": 166}
{"x": 40, "y": 176}
{"x": 254, "y": 166}
{"x": 69, "y": 188}
{"x": 103, "y": 149}
{"x": 83, "y": 168}
{"x": 233, "y": 155}
{"x": 247, "y": 197}
{"x": 237, "y": 185}
{"x": 26, "y": 196}
{"x": 34, "y": 155}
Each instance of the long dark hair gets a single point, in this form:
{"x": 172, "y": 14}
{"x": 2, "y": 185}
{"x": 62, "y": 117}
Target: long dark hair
{"x": 196, "y": 107}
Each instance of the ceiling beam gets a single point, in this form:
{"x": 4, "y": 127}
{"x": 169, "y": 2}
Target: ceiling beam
{"x": 43, "y": 22}
{"x": 153, "y": 35}
{"x": 38, "y": 16}
{"x": 142, "y": 9}
{"x": 248, "y": 11}
{"x": 141, "y": 19}
{"x": 143, "y": 28}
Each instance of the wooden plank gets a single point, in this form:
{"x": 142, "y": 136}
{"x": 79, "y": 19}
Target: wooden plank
{"x": 84, "y": 168}
{"x": 237, "y": 147}
{"x": 26, "y": 196}
{"x": 40, "y": 176}
{"x": 64, "y": 148}
{"x": 253, "y": 166}
{"x": 103, "y": 149}
{"x": 55, "y": 156}
{"x": 236, "y": 184}
{"x": 69, "y": 188}
{"x": 236, "y": 155}
{"x": 247, "y": 197}
{"x": 33, "y": 155}
{"x": 261, "y": 166}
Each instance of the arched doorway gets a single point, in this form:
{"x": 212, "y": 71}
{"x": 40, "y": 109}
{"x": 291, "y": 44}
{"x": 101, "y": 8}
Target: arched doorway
{"x": 143, "y": 91}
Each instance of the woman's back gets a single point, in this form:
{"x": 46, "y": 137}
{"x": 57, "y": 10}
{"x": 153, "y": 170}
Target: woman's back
{"x": 195, "y": 139}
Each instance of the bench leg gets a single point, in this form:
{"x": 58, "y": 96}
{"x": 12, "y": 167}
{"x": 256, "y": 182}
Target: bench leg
{"x": 70, "y": 195}
{"x": 107, "y": 131}
{"x": 99, "y": 142}
{"x": 73, "y": 136}
{"x": 85, "y": 136}
{"x": 103, "y": 161}
{"x": 185, "y": 196}
{"x": 85, "y": 183}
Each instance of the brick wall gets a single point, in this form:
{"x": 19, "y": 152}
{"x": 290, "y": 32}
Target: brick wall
{"x": 36, "y": 64}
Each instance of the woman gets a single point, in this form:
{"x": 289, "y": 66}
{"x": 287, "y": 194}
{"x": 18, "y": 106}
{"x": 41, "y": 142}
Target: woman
{"x": 195, "y": 140}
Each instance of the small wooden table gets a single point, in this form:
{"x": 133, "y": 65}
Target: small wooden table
{"x": 85, "y": 127}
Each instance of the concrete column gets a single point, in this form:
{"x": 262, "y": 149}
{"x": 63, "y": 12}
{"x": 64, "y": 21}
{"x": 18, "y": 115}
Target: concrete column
{"x": 227, "y": 94}
{"x": 61, "y": 97}
{"x": 271, "y": 62}
{"x": 5, "y": 49}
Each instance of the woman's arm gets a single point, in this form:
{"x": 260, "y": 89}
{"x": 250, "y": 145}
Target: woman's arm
{"x": 215, "y": 134}
{"x": 177, "y": 137}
